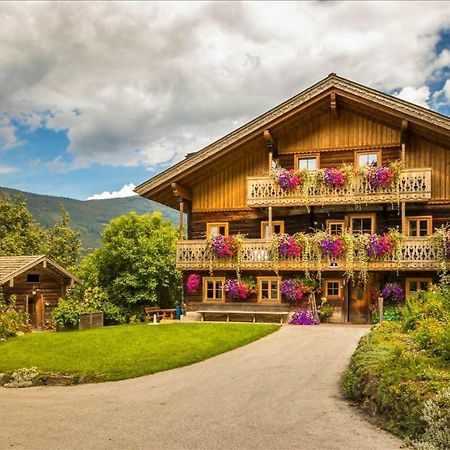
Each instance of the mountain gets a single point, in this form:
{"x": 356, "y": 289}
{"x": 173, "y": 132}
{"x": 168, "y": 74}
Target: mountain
{"x": 89, "y": 217}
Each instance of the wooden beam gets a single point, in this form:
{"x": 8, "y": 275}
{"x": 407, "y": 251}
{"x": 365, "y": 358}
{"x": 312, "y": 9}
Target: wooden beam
{"x": 44, "y": 264}
{"x": 181, "y": 191}
{"x": 181, "y": 204}
{"x": 11, "y": 282}
{"x": 271, "y": 144}
{"x": 333, "y": 105}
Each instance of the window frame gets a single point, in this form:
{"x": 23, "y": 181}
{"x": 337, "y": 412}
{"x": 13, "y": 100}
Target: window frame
{"x": 300, "y": 156}
{"x": 38, "y": 275}
{"x": 408, "y": 282}
{"x": 429, "y": 220}
{"x": 217, "y": 224}
{"x": 371, "y": 216}
{"x": 274, "y": 222}
{"x": 368, "y": 152}
{"x": 330, "y": 222}
{"x": 338, "y": 297}
{"x": 205, "y": 281}
{"x": 260, "y": 280}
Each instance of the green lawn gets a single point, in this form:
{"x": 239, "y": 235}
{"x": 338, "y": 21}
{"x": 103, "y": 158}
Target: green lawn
{"x": 125, "y": 351}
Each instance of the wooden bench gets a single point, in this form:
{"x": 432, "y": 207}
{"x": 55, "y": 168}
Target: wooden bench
{"x": 160, "y": 313}
{"x": 280, "y": 311}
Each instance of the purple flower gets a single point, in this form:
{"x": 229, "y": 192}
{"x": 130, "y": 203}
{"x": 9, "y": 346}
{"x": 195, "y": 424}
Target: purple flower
{"x": 303, "y": 317}
{"x": 392, "y": 293}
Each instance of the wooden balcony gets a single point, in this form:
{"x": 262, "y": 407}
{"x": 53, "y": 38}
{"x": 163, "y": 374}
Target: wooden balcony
{"x": 417, "y": 254}
{"x": 415, "y": 186}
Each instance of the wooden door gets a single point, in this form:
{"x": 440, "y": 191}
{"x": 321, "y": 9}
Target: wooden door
{"x": 333, "y": 291}
{"x": 36, "y": 311}
{"x": 358, "y": 303}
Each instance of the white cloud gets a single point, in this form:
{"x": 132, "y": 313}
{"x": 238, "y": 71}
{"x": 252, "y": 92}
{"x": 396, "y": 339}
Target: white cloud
{"x": 4, "y": 170}
{"x": 145, "y": 83}
{"x": 446, "y": 90}
{"x": 419, "y": 96}
{"x": 126, "y": 191}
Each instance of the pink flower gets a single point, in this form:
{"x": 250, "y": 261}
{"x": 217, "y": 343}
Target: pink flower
{"x": 192, "y": 283}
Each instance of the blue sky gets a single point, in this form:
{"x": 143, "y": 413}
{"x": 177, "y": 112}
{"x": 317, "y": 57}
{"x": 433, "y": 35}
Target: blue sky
{"x": 96, "y": 96}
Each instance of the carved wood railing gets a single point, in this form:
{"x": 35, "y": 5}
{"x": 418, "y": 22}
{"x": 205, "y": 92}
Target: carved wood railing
{"x": 415, "y": 185}
{"x": 417, "y": 254}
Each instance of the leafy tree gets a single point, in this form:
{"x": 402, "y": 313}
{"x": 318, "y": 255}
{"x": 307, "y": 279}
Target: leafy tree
{"x": 135, "y": 266}
{"x": 63, "y": 244}
{"x": 20, "y": 234}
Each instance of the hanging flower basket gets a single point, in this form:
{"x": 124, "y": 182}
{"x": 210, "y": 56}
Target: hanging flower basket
{"x": 286, "y": 179}
{"x": 288, "y": 246}
{"x": 240, "y": 289}
{"x": 295, "y": 290}
{"x": 332, "y": 246}
{"x": 192, "y": 283}
{"x": 384, "y": 176}
{"x": 335, "y": 177}
{"x": 224, "y": 246}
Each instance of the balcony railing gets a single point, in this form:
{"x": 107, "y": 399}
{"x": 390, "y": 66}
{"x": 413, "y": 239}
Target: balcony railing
{"x": 415, "y": 186}
{"x": 417, "y": 254}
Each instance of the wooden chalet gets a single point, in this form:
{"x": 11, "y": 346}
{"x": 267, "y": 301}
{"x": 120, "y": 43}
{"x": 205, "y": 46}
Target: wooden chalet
{"x": 37, "y": 282}
{"x": 227, "y": 188}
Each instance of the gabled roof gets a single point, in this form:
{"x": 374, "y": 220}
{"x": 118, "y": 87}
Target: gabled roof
{"x": 13, "y": 266}
{"x": 341, "y": 86}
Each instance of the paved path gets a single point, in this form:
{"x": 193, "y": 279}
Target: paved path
{"x": 280, "y": 392}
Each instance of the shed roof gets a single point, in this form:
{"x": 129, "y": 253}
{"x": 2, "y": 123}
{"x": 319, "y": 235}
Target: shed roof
{"x": 13, "y": 266}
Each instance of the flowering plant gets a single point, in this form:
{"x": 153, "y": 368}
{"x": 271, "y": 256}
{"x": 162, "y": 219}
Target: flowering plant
{"x": 384, "y": 175}
{"x": 331, "y": 246}
{"x": 295, "y": 289}
{"x": 240, "y": 289}
{"x": 224, "y": 246}
{"x": 378, "y": 245}
{"x": 392, "y": 293}
{"x": 192, "y": 283}
{"x": 288, "y": 246}
{"x": 286, "y": 179}
{"x": 334, "y": 176}
{"x": 303, "y": 317}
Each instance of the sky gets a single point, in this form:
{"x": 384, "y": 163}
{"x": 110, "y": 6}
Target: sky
{"x": 96, "y": 98}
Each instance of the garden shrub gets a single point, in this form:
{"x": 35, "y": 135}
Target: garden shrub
{"x": 436, "y": 416}
{"x": 24, "y": 377}
{"x": 400, "y": 368}
{"x": 12, "y": 319}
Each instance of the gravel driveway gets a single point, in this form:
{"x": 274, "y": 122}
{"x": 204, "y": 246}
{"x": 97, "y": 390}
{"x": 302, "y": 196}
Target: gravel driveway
{"x": 280, "y": 392}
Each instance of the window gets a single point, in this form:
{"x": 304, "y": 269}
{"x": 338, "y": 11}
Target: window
{"x": 213, "y": 229}
{"x": 32, "y": 278}
{"x": 277, "y": 228}
{"x": 335, "y": 226}
{"x": 362, "y": 223}
{"x": 269, "y": 289}
{"x": 417, "y": 284}
{"x": 368, "y": 158}
{"x": 309, "y": 162}
{"x": 419, "y": 226}
{"x": 213, "y": 289}
{"x": 333, "y": 289}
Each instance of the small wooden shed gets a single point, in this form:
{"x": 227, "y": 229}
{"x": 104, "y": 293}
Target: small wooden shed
{"x": 37, "y": 282}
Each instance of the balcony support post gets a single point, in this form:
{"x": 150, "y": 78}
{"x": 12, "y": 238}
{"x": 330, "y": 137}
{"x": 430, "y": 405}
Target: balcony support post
{"x": 181, "y": 205}
{"x": 403, "y": 213}
{"x": 270, "y": 222}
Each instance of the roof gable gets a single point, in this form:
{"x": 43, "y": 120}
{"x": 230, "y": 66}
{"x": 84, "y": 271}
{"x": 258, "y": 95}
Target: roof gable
{"x": 13, "y": 266}
{"x": 315, "y": 93}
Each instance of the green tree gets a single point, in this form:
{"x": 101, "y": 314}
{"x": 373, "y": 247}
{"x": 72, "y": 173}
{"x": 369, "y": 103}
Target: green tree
{"x": 135, "y": 266}
{"x": 63, "y": 244}
{"x": 20, "y": 234}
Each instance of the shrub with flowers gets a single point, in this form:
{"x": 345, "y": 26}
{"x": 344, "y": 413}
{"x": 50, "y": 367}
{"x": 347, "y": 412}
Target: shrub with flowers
{"x": 304, "y": 317}
{"x": 334, "y": 176}
{"x": 192, "y": 283}
{"x": 240, "y": 289}
{"x": 379, "y": 245}
{"x": 441, "y": 240}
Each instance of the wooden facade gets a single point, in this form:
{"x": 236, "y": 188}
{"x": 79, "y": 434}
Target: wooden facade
{"x": 37, "y": 282}
{"x": 228, "y": 185}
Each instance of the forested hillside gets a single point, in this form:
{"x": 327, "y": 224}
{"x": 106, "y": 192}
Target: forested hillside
{"x": 89, "y": 217}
